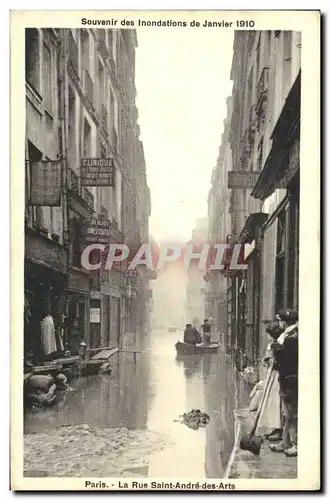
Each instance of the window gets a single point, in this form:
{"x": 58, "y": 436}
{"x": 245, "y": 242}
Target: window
{"x": 87, "y": 139}
{"x": 84, "y": 37}
{"x": 76, "y": 244}
{"x": 269, "y": 42}
{"x": 34, "y": 156}
{"x": 287, "y": 63}
{"x": 260, "y": 153}
{"x": 47, "y": 78}
{"x": 258, "y": 58}
{"x": 72, "y": 129}
{"x": 101, "y": 84}
{"x": 32, "y": 57}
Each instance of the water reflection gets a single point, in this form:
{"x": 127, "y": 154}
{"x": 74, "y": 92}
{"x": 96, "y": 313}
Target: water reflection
{"x": 149, "y": 390}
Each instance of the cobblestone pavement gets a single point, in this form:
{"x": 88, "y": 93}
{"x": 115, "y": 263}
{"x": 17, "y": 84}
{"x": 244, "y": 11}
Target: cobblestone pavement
{"x": 81, "y": 450}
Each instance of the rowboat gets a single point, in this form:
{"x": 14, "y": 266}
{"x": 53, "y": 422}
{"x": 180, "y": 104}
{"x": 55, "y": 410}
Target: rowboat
{"x": 182, "y": 348}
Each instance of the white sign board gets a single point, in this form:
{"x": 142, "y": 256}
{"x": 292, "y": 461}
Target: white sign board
{"x": 94, "y": 315}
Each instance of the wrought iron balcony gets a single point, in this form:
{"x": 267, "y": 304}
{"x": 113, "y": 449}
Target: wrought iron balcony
{"x": 104, "y": 118}
{"x": 73, "y": 182}
{"x": 89, "y": 88}
{"x": 73, "y": 54}
{"x": 88, "y": 198}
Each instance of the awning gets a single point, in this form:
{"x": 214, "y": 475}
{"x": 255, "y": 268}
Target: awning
{"x": 253, "y": 222}
{"x": 285, "y": 136}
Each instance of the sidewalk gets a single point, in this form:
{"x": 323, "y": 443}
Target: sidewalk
{"x": 245, "y": 465}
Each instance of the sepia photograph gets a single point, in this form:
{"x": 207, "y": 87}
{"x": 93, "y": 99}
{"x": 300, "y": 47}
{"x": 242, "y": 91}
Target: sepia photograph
{"x": 163, "y": 202}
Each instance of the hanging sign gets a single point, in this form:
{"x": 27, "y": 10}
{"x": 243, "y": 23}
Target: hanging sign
{"x": 46, "y": 183}
{"x": 96, "y": 231}
{"x": 97, "y": 172}
{"x": 94, "y": 315}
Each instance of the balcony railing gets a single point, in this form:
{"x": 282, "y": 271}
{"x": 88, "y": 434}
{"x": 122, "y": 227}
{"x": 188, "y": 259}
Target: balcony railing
{"x": 88, "y": 197}
{"x": 262, "y": 87}
{"x": 89, "y": 88}
{"x": 73, "y": 54}
{"x": 73, "y": 182}
{"x": 104, "y": 118}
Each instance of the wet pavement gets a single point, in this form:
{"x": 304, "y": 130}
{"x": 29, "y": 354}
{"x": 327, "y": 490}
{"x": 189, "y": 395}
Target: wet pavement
{"x": 125, "y": 424}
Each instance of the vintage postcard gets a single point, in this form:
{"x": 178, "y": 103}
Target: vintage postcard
{"x": 165, "y": 214}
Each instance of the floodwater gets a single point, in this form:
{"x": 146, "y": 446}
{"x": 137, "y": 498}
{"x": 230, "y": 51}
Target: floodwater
{"x": 140, "y": 403}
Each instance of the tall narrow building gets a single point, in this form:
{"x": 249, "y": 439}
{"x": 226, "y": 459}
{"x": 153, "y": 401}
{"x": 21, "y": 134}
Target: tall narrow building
{"x": 80, "y": 106}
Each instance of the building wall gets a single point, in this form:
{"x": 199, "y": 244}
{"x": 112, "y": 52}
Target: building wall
{"x": 81, "y": 104}
{"x": 219, "y": 229}
{"x": 265, "y": 66}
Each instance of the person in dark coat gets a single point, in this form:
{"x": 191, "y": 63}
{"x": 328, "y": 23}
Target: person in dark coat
{"x": 206, "y": 327}
{"x": 189, "y": 335}
{"x": 285, "y": 351}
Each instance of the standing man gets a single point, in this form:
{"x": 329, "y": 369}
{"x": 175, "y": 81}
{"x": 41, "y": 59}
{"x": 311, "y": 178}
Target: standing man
{"x": 285, "y": 351}
{"x": 48, "y": 338}
{"x": 206, "y": 327}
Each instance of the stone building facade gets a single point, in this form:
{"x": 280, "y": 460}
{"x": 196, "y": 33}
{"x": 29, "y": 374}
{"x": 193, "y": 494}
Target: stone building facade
{"x": 265, "y": 139}
{"x": 219, "y": 230}
{"x": 80, "y": 103}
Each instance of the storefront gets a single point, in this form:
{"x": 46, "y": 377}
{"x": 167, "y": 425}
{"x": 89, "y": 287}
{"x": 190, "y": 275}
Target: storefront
{"x": 280, "y": 234}
{"x": 78, "y": 303}
{"x": 45, "y": 267}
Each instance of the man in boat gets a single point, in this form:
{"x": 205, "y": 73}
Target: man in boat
{"x": 190, "y": 336}
{"x": 206, "y": 327}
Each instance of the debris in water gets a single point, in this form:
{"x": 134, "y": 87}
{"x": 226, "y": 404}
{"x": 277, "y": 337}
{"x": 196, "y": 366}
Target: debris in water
{"x": 195, "y": 419}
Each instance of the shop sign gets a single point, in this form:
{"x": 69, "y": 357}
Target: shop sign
{"x": 46, "y": 183}
{"x": 94, "y": 315}
{"x": 96, "y": 231}
{"x": 97, "y": 172}
{"x": 242, "y": 179}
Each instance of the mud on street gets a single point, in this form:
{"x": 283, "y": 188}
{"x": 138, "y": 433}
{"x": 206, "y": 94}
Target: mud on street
{"x": 126, "y": 424}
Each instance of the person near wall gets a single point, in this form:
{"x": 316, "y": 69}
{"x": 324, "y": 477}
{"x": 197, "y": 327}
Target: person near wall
{"x": 48, "y": 335}
{"x": 270, "y": 413}
{"x": 285, "y": 351}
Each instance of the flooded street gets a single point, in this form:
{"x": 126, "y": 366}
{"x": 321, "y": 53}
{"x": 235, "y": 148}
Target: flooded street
{"x": 126, "y": 424}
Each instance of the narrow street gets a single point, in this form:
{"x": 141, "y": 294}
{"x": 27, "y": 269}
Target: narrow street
{"x": 126, "y": 424}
